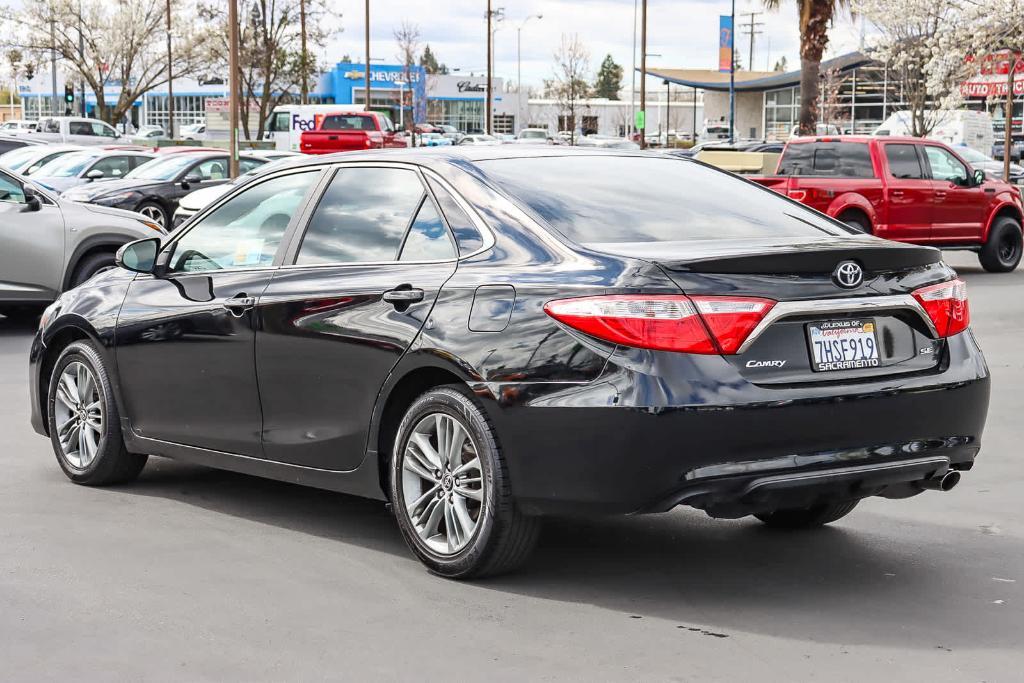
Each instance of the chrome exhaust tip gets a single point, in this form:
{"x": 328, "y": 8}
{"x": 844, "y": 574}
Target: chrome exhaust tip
{"x": 941, "y": 482}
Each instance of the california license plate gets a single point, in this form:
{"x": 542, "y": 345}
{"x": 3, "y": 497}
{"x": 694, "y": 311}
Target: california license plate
{"x": 843, "y": 345}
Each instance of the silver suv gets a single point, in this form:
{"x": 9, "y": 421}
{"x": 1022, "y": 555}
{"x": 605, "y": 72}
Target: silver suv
{"x": 48, "y": 244}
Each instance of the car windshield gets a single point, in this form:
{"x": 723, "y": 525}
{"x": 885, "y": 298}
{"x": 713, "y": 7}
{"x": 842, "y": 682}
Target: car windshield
{"x": 972, "y": 155}
{"x": 617, "y": 199}
{"x": 17, "y": 159}
{"x": 67, "y": 166}
{"x": 532, "y": 134}
{"x": 166, "y": 168}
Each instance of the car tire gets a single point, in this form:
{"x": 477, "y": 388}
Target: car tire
{"x": 857, "y": 222}
{"x": 84, "y": 422}
{"x": 426, "y": 490}
{"x": 1002, "y": 251}
{"x": 155, "y": 213}
{"x": 808, "y": 518}
{"x": 90, "y": 265}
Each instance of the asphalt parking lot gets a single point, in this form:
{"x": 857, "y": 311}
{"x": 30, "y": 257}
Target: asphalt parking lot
{"x": 194, "y": 574}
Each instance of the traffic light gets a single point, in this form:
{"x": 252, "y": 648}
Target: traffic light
{"x": 69, "y": 94}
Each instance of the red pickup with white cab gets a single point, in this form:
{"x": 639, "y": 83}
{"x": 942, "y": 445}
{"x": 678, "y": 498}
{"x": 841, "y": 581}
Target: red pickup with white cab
{"x": 351, "y": 131}
{"x": 905, "y": 189}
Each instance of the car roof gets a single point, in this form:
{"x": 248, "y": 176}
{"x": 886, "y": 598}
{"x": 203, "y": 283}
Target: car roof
{"x": 856, "y": 138}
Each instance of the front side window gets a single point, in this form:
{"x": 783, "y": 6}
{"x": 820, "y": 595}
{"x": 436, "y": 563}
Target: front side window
{"x": 212, "y": 169}
{"x": 244, "y": 232}
{"x": 103, "y": 130}
{"x": 362, "y": 216}
{"x": 112, "y": 167}
{"x": 903, "y": 162}
{"x": 11, "y": 190}
{"x": 945, "y": 166}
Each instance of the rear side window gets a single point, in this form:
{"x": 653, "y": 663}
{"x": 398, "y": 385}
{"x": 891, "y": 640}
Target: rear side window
{"x": 362, "y": 216}
{"x": 336, "y": 122}
{"x": 594, "y": 199}
{"x": 831, "y": 159}
{"x": 467, "y": 235}
{"x": 428, "y": 238}
{"x": 903, "y": 162}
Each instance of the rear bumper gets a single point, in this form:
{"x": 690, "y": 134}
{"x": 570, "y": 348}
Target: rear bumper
{"x": 626, "y": 443}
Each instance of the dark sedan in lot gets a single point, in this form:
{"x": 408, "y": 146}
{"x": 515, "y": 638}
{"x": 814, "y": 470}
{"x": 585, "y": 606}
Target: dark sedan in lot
{"x": 485, "y": 336}
{"x": 154, "y": 188}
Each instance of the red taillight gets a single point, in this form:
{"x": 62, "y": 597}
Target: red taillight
{"x": 946, "y": 304}
{"x": 702, "y": 324}
{"x": 799, "y": 195}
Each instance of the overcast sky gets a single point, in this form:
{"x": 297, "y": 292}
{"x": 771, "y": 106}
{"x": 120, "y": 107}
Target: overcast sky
{"x": 684, "y": 33}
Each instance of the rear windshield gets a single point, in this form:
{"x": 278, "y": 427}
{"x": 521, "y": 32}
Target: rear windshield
{"x": 831, "y": 159}
{"x": 616, "y": 199}
{"x": 336, "y": 122}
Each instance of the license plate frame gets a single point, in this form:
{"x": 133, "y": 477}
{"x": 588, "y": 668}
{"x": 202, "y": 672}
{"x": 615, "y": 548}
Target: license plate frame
{"x": 857, "y": 347}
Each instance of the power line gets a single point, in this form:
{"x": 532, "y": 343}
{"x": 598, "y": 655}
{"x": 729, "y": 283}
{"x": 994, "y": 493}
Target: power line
{"x": 751, "y": 28}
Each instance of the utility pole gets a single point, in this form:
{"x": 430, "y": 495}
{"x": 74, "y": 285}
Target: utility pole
{"x": 751, "y": 28}
{"x": 668, "y": 111}
{"x": 170, "y": 79}
{"x": 233, "y": 99}
{"x": 367, "y": 74}
{"x": 81, "y": 53}
{"x": 1008, "y": 115}
{"x": 490, "y": 39}
{"x": 55, "y": 99}
{"x": 732, "y": 73}
{"x": 643, "y": 74}
{"x": 304, "y": 92}
{"x": 632, "y": 71}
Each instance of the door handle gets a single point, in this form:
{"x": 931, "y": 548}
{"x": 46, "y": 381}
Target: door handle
{"x": 941, "y": 194}
{"x": 332, "y": 137}
{"x": 403, "y": 296}
{"x": 239, "y": 304}
{"x": 897, "y": 193}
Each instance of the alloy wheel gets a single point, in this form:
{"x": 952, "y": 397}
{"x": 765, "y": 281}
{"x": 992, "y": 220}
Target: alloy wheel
{"x": 1009, "y": 247}
{"x": 154, "y": 214}
{"x": 442, "y": 483}
{"x": 78, "y": 413}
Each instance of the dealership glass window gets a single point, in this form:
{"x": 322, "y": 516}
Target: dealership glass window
{"x": 245, "y": 231}
{"x": 466, "y": 115}
{"x": 188, "y": 110}
{"x": 362, "y": 216}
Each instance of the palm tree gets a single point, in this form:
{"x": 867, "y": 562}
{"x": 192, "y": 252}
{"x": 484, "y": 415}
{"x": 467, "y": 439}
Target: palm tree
{"x": 815, "y": 18}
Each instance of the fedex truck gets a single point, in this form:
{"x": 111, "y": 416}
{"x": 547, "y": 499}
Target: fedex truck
{"x": 289, "y": 121}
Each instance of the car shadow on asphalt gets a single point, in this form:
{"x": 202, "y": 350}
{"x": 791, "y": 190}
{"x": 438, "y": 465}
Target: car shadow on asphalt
{"x": 859, "y": 582}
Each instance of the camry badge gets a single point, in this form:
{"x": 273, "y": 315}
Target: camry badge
{"x": 848, "y": 274}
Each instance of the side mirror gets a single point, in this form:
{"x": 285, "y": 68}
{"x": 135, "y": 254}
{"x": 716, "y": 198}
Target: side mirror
{"x": 191, "y": 179}
{"x": 139, "y": 256}
{"x": 32, "y": 202}
{"x": 95, "y": 174}
{"x": 979, "y": 177}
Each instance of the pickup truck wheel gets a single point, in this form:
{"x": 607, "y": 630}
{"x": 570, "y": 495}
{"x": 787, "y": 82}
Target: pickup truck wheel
{"x": 807, "y": 518}
{"x": 857, "y": 222}
{"x": 1002, "y": 252}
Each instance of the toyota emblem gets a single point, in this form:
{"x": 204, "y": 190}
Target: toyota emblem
{"x": 848, "y": 274}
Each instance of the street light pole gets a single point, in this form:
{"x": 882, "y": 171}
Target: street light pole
{"x": 519, "y": 69}
{"x": 304, "y": 59}
{"x": 632, "y": 82}
{"x": 643, "y": 74}
{"x": 233, "y": 104}
{"x": 732, "y": 75}
{"x": 367, "y": 88}
{"x": 55, "y": 100}
{"x": 170, "y": 79}
{"x": 401, "y": 105}
{"x": 490, "y": 39}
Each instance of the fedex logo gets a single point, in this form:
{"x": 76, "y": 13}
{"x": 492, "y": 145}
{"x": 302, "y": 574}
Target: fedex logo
{"x": 303, "y": 124}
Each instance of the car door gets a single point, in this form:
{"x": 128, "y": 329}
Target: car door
{"x": 959, "y": 204}
{"x": 357, "y": 285}
{"x": 909, "y": 195}
{"x": 185, "y": 334}
{"x": 32, "y": 245}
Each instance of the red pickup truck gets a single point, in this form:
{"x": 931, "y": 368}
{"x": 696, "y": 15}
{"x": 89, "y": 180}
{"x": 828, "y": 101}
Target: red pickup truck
{"x": 351, "y": 131}
{"x": 905, "y": 189}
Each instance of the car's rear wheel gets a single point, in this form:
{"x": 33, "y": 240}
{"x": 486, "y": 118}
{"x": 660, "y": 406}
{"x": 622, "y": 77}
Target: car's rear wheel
{"x": 155, "y": 213}
{"x": 451, "y": 492}
{"x": 857, "y": 221}
{"x": 85, "y": 426}
{"x": 807, "y": 518}
{"x": 91, "y": 265}
{"x": 1002, "y": 252}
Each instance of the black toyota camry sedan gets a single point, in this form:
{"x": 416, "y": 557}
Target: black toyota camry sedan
{"x": 486, "y": 336}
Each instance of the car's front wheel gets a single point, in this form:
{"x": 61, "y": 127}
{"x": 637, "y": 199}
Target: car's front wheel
{"x": 808, "y": 518}
{"x": 451, "y": 493}
{"x": 1002, "y": 252}
{"x": 85, "y": 426}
